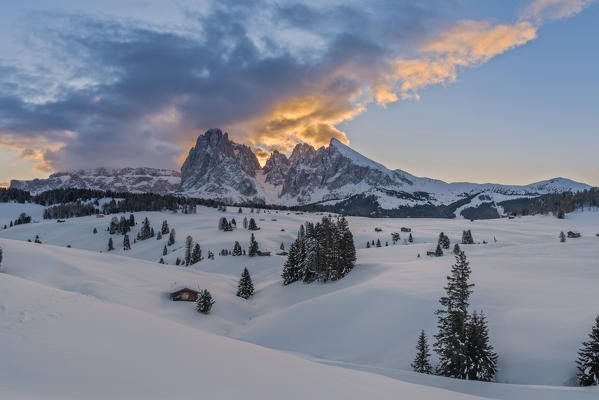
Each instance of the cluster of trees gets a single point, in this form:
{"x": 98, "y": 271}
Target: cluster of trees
{"x": 227, "y": 226}
{"x": 467, "y": 237}
{"x": 251, "y": 225}
{"x": 20, "y": 196}
{"x": 23, "y": 218}
{"x": 561, "y": 203}
{"x": 72, "y": 210}
{"x": 323, "y": 251}
{"x": 462, "y": 342}
{"x": 121, "y": 226}
{"x": 193, "y": 252}
{"x": 146, "y": 230}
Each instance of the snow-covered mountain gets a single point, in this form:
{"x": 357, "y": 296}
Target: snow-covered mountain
{"x": 338, "y": 176}
{"x": 136, "y": 180}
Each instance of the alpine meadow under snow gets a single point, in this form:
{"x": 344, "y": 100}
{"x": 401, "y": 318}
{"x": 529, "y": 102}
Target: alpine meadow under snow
{"x": 79, "y": 321}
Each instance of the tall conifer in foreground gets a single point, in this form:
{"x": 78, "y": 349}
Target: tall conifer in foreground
{"x": 422, "y": 362}
{"x": 205, "y": 302}
{"x": 588, "y": 359}
{"x": 450, "y": 342}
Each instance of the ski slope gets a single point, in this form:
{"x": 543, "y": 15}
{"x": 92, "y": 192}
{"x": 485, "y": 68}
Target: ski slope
{"x": 83, "y": 323}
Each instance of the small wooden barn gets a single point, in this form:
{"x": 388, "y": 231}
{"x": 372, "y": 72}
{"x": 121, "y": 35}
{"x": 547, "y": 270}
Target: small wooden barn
{"x": 184, "y": 294}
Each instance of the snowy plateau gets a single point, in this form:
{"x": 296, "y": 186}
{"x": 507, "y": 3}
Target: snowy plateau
{"x": 79, "y": 322}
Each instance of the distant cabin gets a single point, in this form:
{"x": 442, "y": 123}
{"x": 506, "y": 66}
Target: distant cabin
{"x": 184, "y": 294}
{"x": 377, "y": 229}
{"x": 99, "y": 215}
{"x": 404, "y": 229}
{"x": 573, "y": 234}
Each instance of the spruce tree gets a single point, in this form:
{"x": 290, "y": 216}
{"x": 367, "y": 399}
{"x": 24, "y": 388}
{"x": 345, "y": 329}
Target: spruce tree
{"x": 245, "y": 288}
{"x": 165, "y": 229}
{"x": 196, "y": 254}
{"x": 126, "y": 242}
{"x": 292, "y": 267}
{"x": 410, "y": 238}
{"x": 438, "y": 251}
{"x": 368, "y": 245}
{"x": 482, "y": 360}
{"x": 562, "y": 237}
{"x": 188, "y": 248}
{"x": 253, "y": 249}
{"x": 422, "y": 362}
{"x": 161, "y": 260}
{"x": 378, "y": 243}
{"x": 245, "y": 222}
{"x": 236, "y": 249}
{"x": 164, "y": 251}
{"x": 252, "y": 225}
{"x": 95, "y": 231}
{"x": 444, "y": 240}
{"x": 110, "y": 245}
{"x": 282, "y": 247}
{"x": 159, "y": 236}
{"x": 131, "y": 220}
{"x": 451, "y": 344}
{"x": 178, "y": 261}
{"x": 1, "y": 255}
{"x": 171, "y": 237}
{"x": 456, "y": 249}
{"x": 205, "y": 302}
{"x": 588, "y": 359}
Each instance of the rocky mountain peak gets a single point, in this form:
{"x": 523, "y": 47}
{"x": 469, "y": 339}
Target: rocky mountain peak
{"x": 302, "y": 152}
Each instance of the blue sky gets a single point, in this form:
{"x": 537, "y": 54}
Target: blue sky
{"x": 132, "y": 83}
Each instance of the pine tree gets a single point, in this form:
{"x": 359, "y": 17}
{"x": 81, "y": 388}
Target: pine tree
{"x": 1, "y": 255}
{"x": 164, "y": 251}
{"x": 482, "y": 360}
{"x": 196, "y": 254}
{"x": 165, "y": 229}
{"x": 252, "y": 225}
{"x": 110, "y": 245}
{"x": 159, "y": 236}
{"x": 126, "y": 242}
{"x": 240, "y": 210}
{"x": 367, "y": 245}
{"x": 245, "y": 222}
{"x": 253, "y": 249}
{"x": 171, "y": 237}
{"x": 438, "y": 251}
{"x": 422, "y": 362}
{"x": 378, "y": 243}
{"x": 95, "y": 231}
{"x": 131, "y": 220}
{"x": 562, "y": 237}
{"x": 178, "y": 261}
{"x": 395, "y": 237}
{"x": 236, "y": 249}
{"x": 245, "y": 288}
{"x": 444, "y": 240}
{"x": 588, "y": 359}
{"x": 451, "y": 344}
{"x": 188, "y": 248}
{"x": 282, "y": 247}
{"x": 456, "y": 249}
{"x": 205, "y": 302}
{"x": 161, "y": 260}
{"x": 410, "y": 238}
{"x": 146, "y": 231}
{"x": 292, "y": 267}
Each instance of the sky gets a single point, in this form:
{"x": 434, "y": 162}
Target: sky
{"x": 498, "y": 91}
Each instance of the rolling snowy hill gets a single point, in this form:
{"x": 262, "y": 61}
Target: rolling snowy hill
{"x": 93, "y": 317}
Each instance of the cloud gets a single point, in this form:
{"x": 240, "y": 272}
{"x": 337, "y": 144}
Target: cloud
{"x": 541, "y": 10}
{"x": 130, "y": 93}
{"x": 467, "y": 43}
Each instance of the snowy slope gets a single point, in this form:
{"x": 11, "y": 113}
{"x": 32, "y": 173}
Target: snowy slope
{"x": 539, "y": 295}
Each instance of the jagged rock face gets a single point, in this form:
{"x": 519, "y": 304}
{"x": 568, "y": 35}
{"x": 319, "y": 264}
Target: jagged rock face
{"x": 219, "y": 166}
{"x": 135, "y": 180}
{"x": 276, "y": 168}
{"x": 221, "y": 169}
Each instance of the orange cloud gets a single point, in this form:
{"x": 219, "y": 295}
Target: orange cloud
{"x": 34, "y": 149}
{"x": 468, "y": 43}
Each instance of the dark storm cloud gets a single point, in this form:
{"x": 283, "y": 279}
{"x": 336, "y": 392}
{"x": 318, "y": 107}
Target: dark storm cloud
{"x": 136, "y": 94}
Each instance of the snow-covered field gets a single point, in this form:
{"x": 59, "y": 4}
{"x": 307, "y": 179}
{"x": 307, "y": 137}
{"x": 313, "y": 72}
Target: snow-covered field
{"x": 83, "y": 323}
